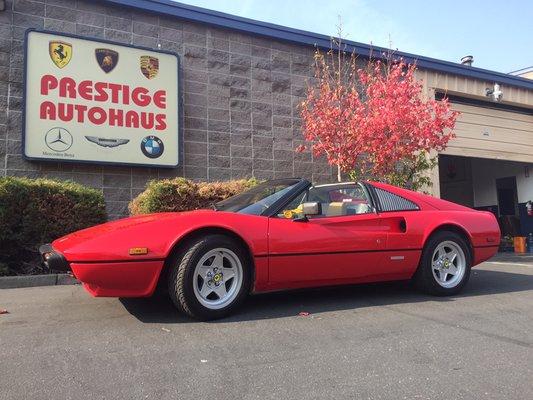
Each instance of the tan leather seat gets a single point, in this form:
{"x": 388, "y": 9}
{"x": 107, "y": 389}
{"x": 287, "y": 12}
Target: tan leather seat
{"x": 336, "y": 208}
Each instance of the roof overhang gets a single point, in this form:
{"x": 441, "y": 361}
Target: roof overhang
{"x": 265, "y": 29}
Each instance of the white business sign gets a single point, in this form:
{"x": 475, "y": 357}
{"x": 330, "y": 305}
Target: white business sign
{"x": 97, "y": 101}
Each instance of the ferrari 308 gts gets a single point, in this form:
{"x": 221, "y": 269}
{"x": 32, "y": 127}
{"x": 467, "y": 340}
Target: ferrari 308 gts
{"x": 281, "y": 234}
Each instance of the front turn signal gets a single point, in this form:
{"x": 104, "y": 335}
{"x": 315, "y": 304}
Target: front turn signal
{"x": 138, "y": 251}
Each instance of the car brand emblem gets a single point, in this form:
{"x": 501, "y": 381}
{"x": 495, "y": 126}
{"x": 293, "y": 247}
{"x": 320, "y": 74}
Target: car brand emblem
{"x": 152, "y": 146}
{"x": 106, "y": 142}
{"x": 60, "y": 53}
{"x": 107, "y": 59}
{"x": 149, "y": 66}
{"x": 58, "y": 139}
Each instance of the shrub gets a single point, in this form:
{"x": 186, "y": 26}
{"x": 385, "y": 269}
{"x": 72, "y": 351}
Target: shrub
{"x": 37, "y": 211}
{"x": 181, "y": 194}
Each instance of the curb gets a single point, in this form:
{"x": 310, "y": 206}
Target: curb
{"x": 14, "y": 282}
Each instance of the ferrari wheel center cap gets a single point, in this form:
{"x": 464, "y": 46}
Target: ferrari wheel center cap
{"x": 214, "y": 277}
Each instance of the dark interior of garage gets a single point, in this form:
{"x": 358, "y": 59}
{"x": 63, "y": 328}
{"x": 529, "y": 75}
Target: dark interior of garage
{"x": 501, "y": 187}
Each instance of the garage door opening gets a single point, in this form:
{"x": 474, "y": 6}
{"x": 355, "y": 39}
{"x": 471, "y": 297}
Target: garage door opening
{"x": 501, "y": 187}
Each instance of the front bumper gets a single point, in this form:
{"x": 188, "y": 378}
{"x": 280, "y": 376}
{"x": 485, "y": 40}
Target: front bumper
{"x": 52, "y": 259}
{"x": 115, "y": 278}
{"x": 118, "y": 278}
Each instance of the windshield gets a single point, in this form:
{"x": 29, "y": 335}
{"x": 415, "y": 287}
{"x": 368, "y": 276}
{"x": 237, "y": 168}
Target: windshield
{"x": 256, "y": 200}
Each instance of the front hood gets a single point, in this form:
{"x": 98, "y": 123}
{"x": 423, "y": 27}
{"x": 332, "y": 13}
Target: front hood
{"x": 111, "y": 241}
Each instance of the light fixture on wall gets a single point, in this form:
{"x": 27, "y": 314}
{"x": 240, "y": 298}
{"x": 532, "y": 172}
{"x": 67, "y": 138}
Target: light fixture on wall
{"x": 494, "y": 92}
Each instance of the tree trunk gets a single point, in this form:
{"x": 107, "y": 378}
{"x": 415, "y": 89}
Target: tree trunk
{"x": 339, "y": 178}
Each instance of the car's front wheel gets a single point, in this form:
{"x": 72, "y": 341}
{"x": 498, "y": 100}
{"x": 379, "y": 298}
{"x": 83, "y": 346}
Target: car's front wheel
{"x": 210, "y": 277}
{"x": 445, "y": 264}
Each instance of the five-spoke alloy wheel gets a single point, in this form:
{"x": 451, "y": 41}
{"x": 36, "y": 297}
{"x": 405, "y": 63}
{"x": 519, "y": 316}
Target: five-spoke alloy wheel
{"x": 448, "y": 264}
{"x": 209, "y": 277}
{"x": 217, "y": 278}
{"x": 445, "y": 264}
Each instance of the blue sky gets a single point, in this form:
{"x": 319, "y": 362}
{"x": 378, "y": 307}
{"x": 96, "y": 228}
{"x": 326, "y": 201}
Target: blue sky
{"x": 499, "y": 34}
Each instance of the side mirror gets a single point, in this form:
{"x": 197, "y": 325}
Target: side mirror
{"x": 311, "y": 208}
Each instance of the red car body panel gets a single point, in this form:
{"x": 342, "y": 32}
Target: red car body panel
{"x": 99, "y": 255}
{"x": 118, "y": 279}
{"x": 286, "y": 254}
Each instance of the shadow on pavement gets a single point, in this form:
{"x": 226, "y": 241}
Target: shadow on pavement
{"x": 159, "y": 308}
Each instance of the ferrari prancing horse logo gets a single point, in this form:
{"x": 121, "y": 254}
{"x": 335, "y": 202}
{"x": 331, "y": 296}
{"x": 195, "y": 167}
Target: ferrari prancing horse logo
{"x": 149, "y": 66}
{"x": 60, "y": 53}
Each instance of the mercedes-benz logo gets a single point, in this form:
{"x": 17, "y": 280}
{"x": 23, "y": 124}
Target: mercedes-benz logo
{"x": 58, "y": 139}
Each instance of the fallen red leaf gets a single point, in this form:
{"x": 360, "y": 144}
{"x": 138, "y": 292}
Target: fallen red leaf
{"x": 304, "y": 314}
{"x": 4, "y": 311}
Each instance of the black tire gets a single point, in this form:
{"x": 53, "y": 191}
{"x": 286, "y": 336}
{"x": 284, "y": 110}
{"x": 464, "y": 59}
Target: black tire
{"x": 181, "y": 277}
{"x": 424, "y": 278}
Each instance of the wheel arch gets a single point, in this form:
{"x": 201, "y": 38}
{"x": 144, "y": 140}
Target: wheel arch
{"x": 182, "y": 241}
{"x": 452, "y": 227}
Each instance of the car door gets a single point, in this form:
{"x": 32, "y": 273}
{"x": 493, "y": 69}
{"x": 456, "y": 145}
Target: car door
{"x": 335, "y": 247}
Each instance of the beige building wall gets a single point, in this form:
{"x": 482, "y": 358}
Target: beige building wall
{"x": 475, "y": 89}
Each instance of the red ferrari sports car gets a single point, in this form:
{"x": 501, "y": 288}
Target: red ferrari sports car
{"x": 281, "y": 234}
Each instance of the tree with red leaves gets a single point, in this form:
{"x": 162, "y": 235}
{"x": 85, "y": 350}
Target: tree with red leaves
{"x": 374, "y": 121}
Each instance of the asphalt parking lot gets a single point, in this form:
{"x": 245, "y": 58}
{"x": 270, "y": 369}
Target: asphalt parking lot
{"x": 381, "y": 341}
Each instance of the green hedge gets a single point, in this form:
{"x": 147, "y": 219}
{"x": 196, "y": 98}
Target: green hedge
{"x": 37, "y": 211}
{"x": 181, "y": 194}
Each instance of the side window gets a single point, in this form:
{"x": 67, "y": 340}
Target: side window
{"x": 335, "y": 201}
{"x": 294, "y": 208}
{"x": 392, "y": 202}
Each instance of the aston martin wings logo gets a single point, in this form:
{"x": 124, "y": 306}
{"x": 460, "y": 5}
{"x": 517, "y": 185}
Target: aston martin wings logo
{"x": 106, "y": 142}
{"x": 60, "y": 53}
{"x": 149, "y": 66}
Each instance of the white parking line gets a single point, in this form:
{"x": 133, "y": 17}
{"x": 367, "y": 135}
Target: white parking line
{"x": 508, "y": 263}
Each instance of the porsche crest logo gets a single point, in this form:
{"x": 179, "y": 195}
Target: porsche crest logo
{"x": 60, "y": 53}
{"x": 149, "y": 66}
{"x": 107, "y": 59}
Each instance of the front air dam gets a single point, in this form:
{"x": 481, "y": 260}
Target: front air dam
{"x": 119, "y": 278}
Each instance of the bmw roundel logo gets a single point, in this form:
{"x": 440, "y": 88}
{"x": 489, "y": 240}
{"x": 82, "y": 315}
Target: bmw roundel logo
{"x": 152, "y": 146}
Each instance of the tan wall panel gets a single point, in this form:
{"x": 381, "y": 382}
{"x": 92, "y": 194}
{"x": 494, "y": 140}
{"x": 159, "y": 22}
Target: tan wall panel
{"x": 476, "y": 110}
{"x": 481, "y": 129}
{"x": 489, "y": 120}
{"x": 493, "y": 134}
{"x": 491, "y": 154}
{"x": 473, "y": 87}
{"x": 487, "y": 133}
{"x": 488, "y": 145}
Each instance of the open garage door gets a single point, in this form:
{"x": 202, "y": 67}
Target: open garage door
{"x": 494, "y": 131}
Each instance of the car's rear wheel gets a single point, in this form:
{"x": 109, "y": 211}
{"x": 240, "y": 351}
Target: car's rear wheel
{"x": 445, "y": 264}
{"x": 210, "y": 277}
